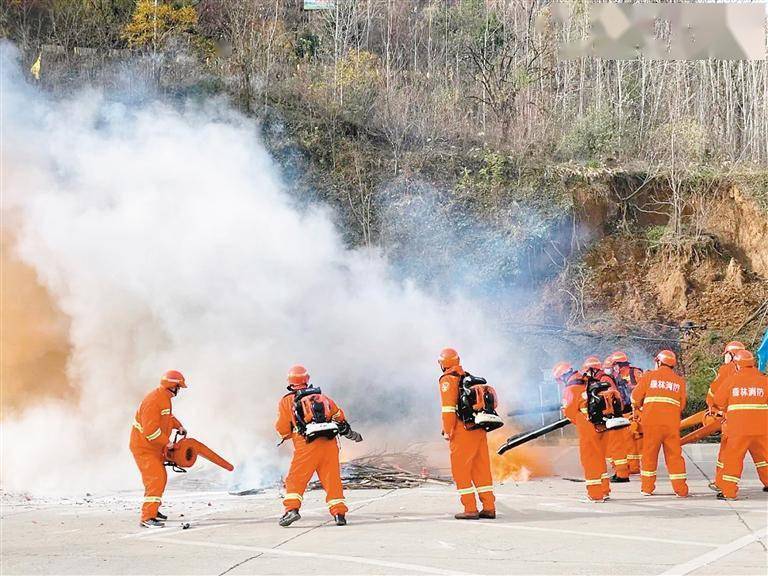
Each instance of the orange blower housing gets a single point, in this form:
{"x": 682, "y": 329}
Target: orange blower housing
{"x": 710, "y": 424}
{"x": 186, "y": 451}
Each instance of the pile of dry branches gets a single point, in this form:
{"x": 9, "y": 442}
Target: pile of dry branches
{"x": 386, "y": 470}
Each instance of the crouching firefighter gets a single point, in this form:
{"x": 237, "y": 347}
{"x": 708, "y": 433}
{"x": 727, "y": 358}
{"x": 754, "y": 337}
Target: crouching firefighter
{"x": 150, "y": 441}
{"x": 468, "y": 413}
{"x": 313, "y": 421}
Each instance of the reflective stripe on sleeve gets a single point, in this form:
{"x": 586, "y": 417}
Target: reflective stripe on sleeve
{"x": 733, "y": 479}
{"x": 165, "y": 411}
{"x": 293, "y": 496}
{"x": 153, "y": 499}
{"x": 138, "y": 426}
{"x": 733, "y": 407}
{"x": 583, "y": 410}
{"x": 336, "y": 501}
{"x": 647, "y": 473}
{"x": 447, "y": 409}
{"x": 719, "y": 464}
{"x": 481, "y": 489}
{"x": 593, "y": 482}
{"x": 661, "y": 400}
{"x": 761, "y": 464}
{"x": 633, "y": 456}
{"x": 154, "y": 435}
{"x": 620, "y": 462}
{"x": 465, "y": 491}
{"x": 678, "y": 476}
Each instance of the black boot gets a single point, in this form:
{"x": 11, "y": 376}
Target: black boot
{"x": 341, "y": 520}
{"x": 765, "y": 488}
{"x": 161, "y": 516}
{"x": 152, "y": 523}
{"x": 289, "y": 518}
{"x": 618, "y": 480}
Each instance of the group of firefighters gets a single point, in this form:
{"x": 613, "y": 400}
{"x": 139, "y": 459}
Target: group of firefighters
{"x": 655, "y": 399}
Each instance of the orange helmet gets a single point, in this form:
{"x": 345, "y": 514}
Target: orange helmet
{"x": 298, "y": 376}
{"x": 608, "y": 362}
{"x": 667, "y": 358}
{"x": 733, "y": 346}
{"x": 448, "y": 358}
{"x": 561, "y": 369}
{"x": 744, "y": 359}
{"x": 173, "y": 379}
{"x": 619, "y": 356}
{"x": 592, "y": 362}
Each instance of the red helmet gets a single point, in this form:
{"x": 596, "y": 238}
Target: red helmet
{"x": 619, "y": 356}
{"x": 298, "y": 375}
{"x": 592, "y": 362}
{"x": 448, "y": 358}
{"x": 173, "y": 379}
{"x": 733, "y": 346}
{"x": 744, "y": 359}
{"x": 667, "y": 358}
{"x": 561, "y": 369}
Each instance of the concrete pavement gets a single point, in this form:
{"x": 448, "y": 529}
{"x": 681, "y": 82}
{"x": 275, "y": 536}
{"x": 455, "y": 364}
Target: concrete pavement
{"x": 544, "y": 527}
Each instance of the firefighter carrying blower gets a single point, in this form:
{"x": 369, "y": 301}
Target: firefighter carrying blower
{"x": 593, "y": 407}
{"x": 150, "y": 442}
{"x": 313, "y": 421}
{"x": 468, "y": 413}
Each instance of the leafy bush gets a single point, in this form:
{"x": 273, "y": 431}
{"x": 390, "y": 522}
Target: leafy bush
{"x": 592, "y": 137}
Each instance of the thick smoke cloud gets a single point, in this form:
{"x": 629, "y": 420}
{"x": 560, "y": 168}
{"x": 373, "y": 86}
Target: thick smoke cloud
{"x": 167, "y": 238}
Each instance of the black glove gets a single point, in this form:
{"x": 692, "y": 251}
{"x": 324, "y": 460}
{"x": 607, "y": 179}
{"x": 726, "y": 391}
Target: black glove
{"x": 344, "y": 428}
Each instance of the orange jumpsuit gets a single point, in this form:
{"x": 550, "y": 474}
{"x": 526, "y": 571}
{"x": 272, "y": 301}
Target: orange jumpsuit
{"x": 470, "y": 460}
{"x": 321, "y": 456}
{"x": 723, "y": 373}
{"x": 592, "y": 444}
{"x": 150, "y": 434}
{"x": 744, "y": 399}
{"x": 630, "y": 375}
{"x": 660, "y": 397}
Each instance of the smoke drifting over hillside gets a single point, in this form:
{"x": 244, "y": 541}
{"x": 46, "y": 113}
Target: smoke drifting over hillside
{"x": 165, "y": 236}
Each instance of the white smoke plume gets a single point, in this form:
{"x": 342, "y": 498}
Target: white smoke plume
{"x": 165, "y": 235}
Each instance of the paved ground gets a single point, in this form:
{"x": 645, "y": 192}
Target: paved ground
{"x": 544, "y": 527}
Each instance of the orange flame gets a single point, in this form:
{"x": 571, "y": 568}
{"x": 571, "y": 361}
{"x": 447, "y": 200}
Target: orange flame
{"x": 520, "y": 464}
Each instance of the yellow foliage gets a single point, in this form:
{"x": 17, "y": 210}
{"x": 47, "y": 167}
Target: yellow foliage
{"x": 359, "y": 69}
{"x": 140, "y": 31}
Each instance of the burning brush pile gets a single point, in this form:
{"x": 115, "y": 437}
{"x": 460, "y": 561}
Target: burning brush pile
{"x": 386, "y": 470}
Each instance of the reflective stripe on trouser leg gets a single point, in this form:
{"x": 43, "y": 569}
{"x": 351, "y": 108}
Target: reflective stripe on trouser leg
{"x": 617, "y": 452}
{"x": 720, "y": 463}
{"x": 673, "y": 457}
{"x": 481, "y": 475}
{"x": 329, "y": 473}
{"x": 736, "y": 450}
{"x": 303, "y": 465}
{"x": 463, "y": 448}
{"x": 592, "y": 456}
{"x": 652, "y": 439}
{"x": 154, "y": 478}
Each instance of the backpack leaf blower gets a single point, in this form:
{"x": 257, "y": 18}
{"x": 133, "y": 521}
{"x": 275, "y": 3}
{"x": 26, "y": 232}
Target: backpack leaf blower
{"x": 185, "y": 452}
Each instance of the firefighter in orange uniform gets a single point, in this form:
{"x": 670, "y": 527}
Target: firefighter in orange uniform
{"x": 319, "y": 454}
{"x": 628, "y": 375}
{"x": 150, "y": 439}
{"x": 744, "y": 399}
{"x": 470, "y": 461}
{"x": 592, "y": 444}
{"x": 726, "y": 370}
{"x": 616, "y": 440}
{"x": 658, "y": 401}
